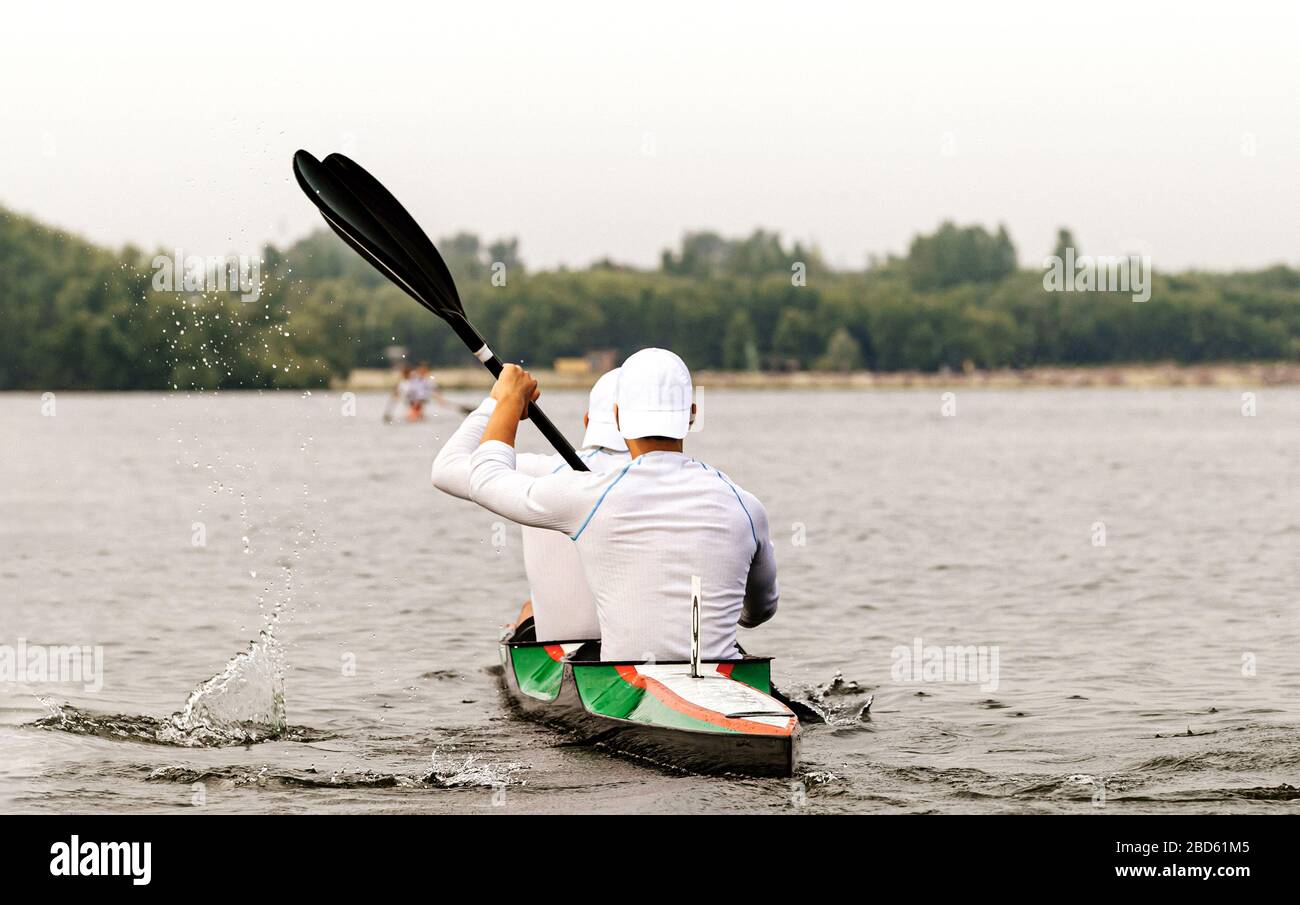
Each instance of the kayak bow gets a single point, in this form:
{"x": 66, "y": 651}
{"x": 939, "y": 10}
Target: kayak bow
{"x": 724, "y": 721}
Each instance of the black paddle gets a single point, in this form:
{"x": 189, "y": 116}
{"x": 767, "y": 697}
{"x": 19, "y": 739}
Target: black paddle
{"x": 376, "y": 226}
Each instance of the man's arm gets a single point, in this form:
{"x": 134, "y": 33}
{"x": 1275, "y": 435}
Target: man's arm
{"x": 560, "y": 501}
{"x": 761, "y": 591}
{"x": 451, "y": 467}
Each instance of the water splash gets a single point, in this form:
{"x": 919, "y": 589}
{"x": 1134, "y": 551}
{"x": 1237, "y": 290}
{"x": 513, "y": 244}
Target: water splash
{"x": 241, "y": 705}
{"x": 450, "y": 773}
{"x": 266, "y": 777}
{"x": 152, "y": 730}
{"x": 446, "y": 773}
{"x": 244, "y": 703}
{"x": 839, "y": 703}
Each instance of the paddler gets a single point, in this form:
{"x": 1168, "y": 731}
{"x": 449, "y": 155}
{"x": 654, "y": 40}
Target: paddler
{"x": 400, "y": 392}
{"x": 560, "y": 602}
{"x": 421, "y": 387}
{"x": 643, "y": 530}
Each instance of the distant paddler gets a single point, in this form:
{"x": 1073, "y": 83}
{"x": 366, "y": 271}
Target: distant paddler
{"x": 421, "y": 387}
{"x": 643, "y": 530}
{"x": 400, "y": 391}
{"x": 415, "y": 387}
{"x": 560, "y": 602}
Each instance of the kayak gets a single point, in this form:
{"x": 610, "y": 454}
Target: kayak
{"x": 723, "y": 719}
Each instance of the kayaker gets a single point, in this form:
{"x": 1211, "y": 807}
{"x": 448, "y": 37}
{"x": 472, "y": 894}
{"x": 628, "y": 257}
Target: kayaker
{"x": 560, "y": 602}
{"x": 642, "y": 531}
{"x": 421, "y": 387}
{"x": 400, "y": 392}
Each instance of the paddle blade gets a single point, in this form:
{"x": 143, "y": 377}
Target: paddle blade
{"x": 401, "y": 225}
{"x": 358, "y": 227}
{"x": 372, "y": 222}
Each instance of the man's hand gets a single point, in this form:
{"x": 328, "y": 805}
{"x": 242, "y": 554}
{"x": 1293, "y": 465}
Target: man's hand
{"x": 515, "y": 388}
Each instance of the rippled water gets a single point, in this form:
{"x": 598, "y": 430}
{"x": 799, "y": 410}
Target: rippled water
{"x": 291, "y": 619}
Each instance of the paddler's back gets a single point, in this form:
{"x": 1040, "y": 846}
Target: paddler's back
{"x": 664, "y": 519}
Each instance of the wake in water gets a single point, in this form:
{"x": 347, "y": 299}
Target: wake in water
{"x": 445, "y": 773}
{"x": 839, "y": 703}
{"x": 156, "y": 731}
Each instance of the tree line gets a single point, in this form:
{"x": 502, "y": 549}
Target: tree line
{"x": 76, "y": 315}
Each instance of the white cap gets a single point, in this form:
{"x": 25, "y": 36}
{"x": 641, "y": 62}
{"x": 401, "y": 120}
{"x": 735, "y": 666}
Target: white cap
{"x": 601, "y": 429}
{"x": 654, "y": 396}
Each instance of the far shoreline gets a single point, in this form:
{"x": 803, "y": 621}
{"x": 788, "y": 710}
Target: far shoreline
{"x": 1132, "y": 376}
{"x": 1231, "y": 375}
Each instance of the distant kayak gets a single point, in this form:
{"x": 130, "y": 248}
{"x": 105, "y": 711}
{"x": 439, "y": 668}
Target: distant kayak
{"x": 413, "y": 414}
{"x": 723, "y": 721}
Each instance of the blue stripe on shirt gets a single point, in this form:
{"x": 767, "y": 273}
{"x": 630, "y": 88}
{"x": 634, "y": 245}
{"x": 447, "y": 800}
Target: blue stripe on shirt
{"x": 587, "y": 458}
{"x": 587, "y": 521}
{"x": 752, "y": 532}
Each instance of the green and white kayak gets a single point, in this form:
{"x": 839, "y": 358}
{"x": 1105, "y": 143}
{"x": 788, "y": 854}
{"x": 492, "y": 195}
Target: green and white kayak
{"x": 724, "y": 720}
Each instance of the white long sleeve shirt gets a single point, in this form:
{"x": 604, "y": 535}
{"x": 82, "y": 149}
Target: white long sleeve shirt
{"x": 641, "y": 532}
{"x": 564, "y": 608}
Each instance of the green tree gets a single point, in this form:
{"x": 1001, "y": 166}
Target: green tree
{"x": 954, "y": 255}
{"x": 702, "y": 254}
{"x": 463, "y": 254}
{"x": 796, "y": 336}
{"x": 740, "y": 344}
{"x": 1064, "y": 240}
{"x": 79, "y": 316}
{"x": 506, "y": 251}
{"x": 843, "y": 353}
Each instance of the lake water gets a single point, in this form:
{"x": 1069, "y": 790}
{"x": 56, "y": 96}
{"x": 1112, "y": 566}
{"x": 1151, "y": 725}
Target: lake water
{"x": 1131, "y": 558}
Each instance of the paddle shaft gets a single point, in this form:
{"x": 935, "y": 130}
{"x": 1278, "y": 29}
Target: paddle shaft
{"x": 474, "y": 341}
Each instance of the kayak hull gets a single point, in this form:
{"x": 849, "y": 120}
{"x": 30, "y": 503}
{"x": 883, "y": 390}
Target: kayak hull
{"x": 724, "y": 721}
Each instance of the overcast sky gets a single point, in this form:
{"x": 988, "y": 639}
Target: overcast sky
{"x": 606, "y": 129}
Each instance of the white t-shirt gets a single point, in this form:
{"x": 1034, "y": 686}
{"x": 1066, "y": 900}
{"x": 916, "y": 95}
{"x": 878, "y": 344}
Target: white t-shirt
{"x": 642, "y": 531}
{"x": 563, "y": 606}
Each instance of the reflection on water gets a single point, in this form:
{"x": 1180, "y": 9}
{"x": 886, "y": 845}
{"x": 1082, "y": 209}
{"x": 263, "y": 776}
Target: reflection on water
{"x": 1154, "y": 670}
